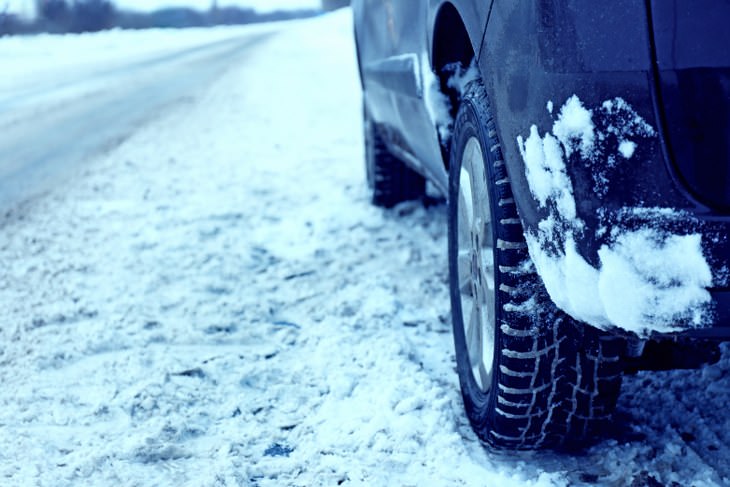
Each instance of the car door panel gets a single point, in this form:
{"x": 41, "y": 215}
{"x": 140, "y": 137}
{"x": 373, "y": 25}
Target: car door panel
{"x": 393, "y": 46}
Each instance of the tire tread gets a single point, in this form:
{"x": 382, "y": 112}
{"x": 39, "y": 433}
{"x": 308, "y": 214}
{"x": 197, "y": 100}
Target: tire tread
{"x": 556, "y": 381}
{"x": 390, "y": 180}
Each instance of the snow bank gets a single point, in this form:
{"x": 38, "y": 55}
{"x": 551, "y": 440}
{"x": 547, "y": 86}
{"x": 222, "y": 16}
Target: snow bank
{"x": 648, "y": 279}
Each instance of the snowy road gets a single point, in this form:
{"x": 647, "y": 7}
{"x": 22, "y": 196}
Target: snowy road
{"x": 213, "y": 301}
{"x": 86, "y": 109}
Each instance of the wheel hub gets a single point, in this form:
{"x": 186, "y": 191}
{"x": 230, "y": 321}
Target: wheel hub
{"x": 476, "y": 263}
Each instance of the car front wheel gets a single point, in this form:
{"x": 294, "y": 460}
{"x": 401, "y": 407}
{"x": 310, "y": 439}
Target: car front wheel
{"x": 531, "y": 377}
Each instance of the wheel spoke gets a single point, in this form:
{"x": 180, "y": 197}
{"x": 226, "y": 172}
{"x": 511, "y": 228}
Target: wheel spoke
{"x": 475, "y": 263}
{"x": 466, "y": 202}
{"x": 480, "y": 197}
{"x": 483, "y": 226}
{"x": 489, "y": 303}
{"x": 474, "y": 336}
{"x": 464, "y": 229}
{"x": 487, "y": 348}
{"x": 465, "y": 276}
{"x": 486, "y": 267}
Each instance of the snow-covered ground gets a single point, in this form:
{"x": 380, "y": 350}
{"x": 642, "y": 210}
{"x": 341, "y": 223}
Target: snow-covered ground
{"x": 53, "y": 69}
{"x": 214, "y": 302}
{"x": 50, "y": 57}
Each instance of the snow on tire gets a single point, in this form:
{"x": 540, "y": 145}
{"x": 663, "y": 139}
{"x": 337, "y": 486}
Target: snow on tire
{"x": 531, "y": 377}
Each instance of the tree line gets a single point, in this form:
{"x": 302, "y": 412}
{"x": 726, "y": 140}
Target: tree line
{"x": 62, "y": 16}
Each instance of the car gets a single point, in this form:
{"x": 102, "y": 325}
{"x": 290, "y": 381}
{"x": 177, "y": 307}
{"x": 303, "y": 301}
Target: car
{"x": 583, "y": 150}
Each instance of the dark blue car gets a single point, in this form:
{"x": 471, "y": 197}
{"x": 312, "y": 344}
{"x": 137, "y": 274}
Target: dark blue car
{"x": 584, "y": 149}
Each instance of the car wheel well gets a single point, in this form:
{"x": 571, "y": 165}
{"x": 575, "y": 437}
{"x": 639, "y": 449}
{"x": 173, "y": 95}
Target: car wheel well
{"x": 451, "y": 45}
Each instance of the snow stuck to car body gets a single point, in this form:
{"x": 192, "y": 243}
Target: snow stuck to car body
{"x": 437, "y": 102}
{"x": 648, "y": 280}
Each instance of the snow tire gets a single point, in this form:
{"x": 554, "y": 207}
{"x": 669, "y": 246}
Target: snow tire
{"x": 553, "y": 381}
{"x": 390, "y": 180}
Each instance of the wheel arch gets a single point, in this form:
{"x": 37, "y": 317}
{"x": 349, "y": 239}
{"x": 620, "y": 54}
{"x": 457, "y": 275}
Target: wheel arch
{"x": 451, "y": 43}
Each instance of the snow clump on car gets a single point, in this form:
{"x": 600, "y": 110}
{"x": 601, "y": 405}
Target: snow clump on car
{"x": 437, "y": 102}
{"x": 648, "y": 278}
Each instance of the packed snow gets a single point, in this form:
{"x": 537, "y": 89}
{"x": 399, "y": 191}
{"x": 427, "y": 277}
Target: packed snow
{"x": 214, "y": 302}
{"x": 648, "y": 280}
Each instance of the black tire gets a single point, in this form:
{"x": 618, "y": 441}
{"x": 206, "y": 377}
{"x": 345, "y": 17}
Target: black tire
{"x": 554, "y": 382}
{"x": 389, "y": 179}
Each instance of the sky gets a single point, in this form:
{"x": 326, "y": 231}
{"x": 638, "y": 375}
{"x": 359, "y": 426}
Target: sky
{"x": 27, "y": 7}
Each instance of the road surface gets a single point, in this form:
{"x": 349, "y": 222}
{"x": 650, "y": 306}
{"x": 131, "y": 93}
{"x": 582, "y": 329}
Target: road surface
{"x": 50, "y": 125}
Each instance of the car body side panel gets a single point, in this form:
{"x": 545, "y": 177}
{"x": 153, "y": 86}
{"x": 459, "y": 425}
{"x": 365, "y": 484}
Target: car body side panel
{"x": 550, "y": 50}
{"x": 394, "y": 46}
{"x": 547, "y": 51}
{"x": 392, "y": 41}
{"x": 691, "y": 39}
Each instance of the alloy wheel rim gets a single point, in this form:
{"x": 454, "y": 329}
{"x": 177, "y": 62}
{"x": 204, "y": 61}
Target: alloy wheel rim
{"x": 476, "y": 276}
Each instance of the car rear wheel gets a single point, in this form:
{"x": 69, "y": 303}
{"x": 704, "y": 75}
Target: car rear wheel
{"x": 390, "y": 181}
{"x": 531, "y": 377}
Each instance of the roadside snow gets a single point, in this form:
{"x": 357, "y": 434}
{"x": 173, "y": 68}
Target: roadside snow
{"x": 53, "y": 56}
{"x": 648, "y": 280}
{"x": 215, "y": 303}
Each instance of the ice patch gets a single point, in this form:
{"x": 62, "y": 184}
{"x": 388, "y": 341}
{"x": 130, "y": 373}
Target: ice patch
{"x": 646, "y": 279}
